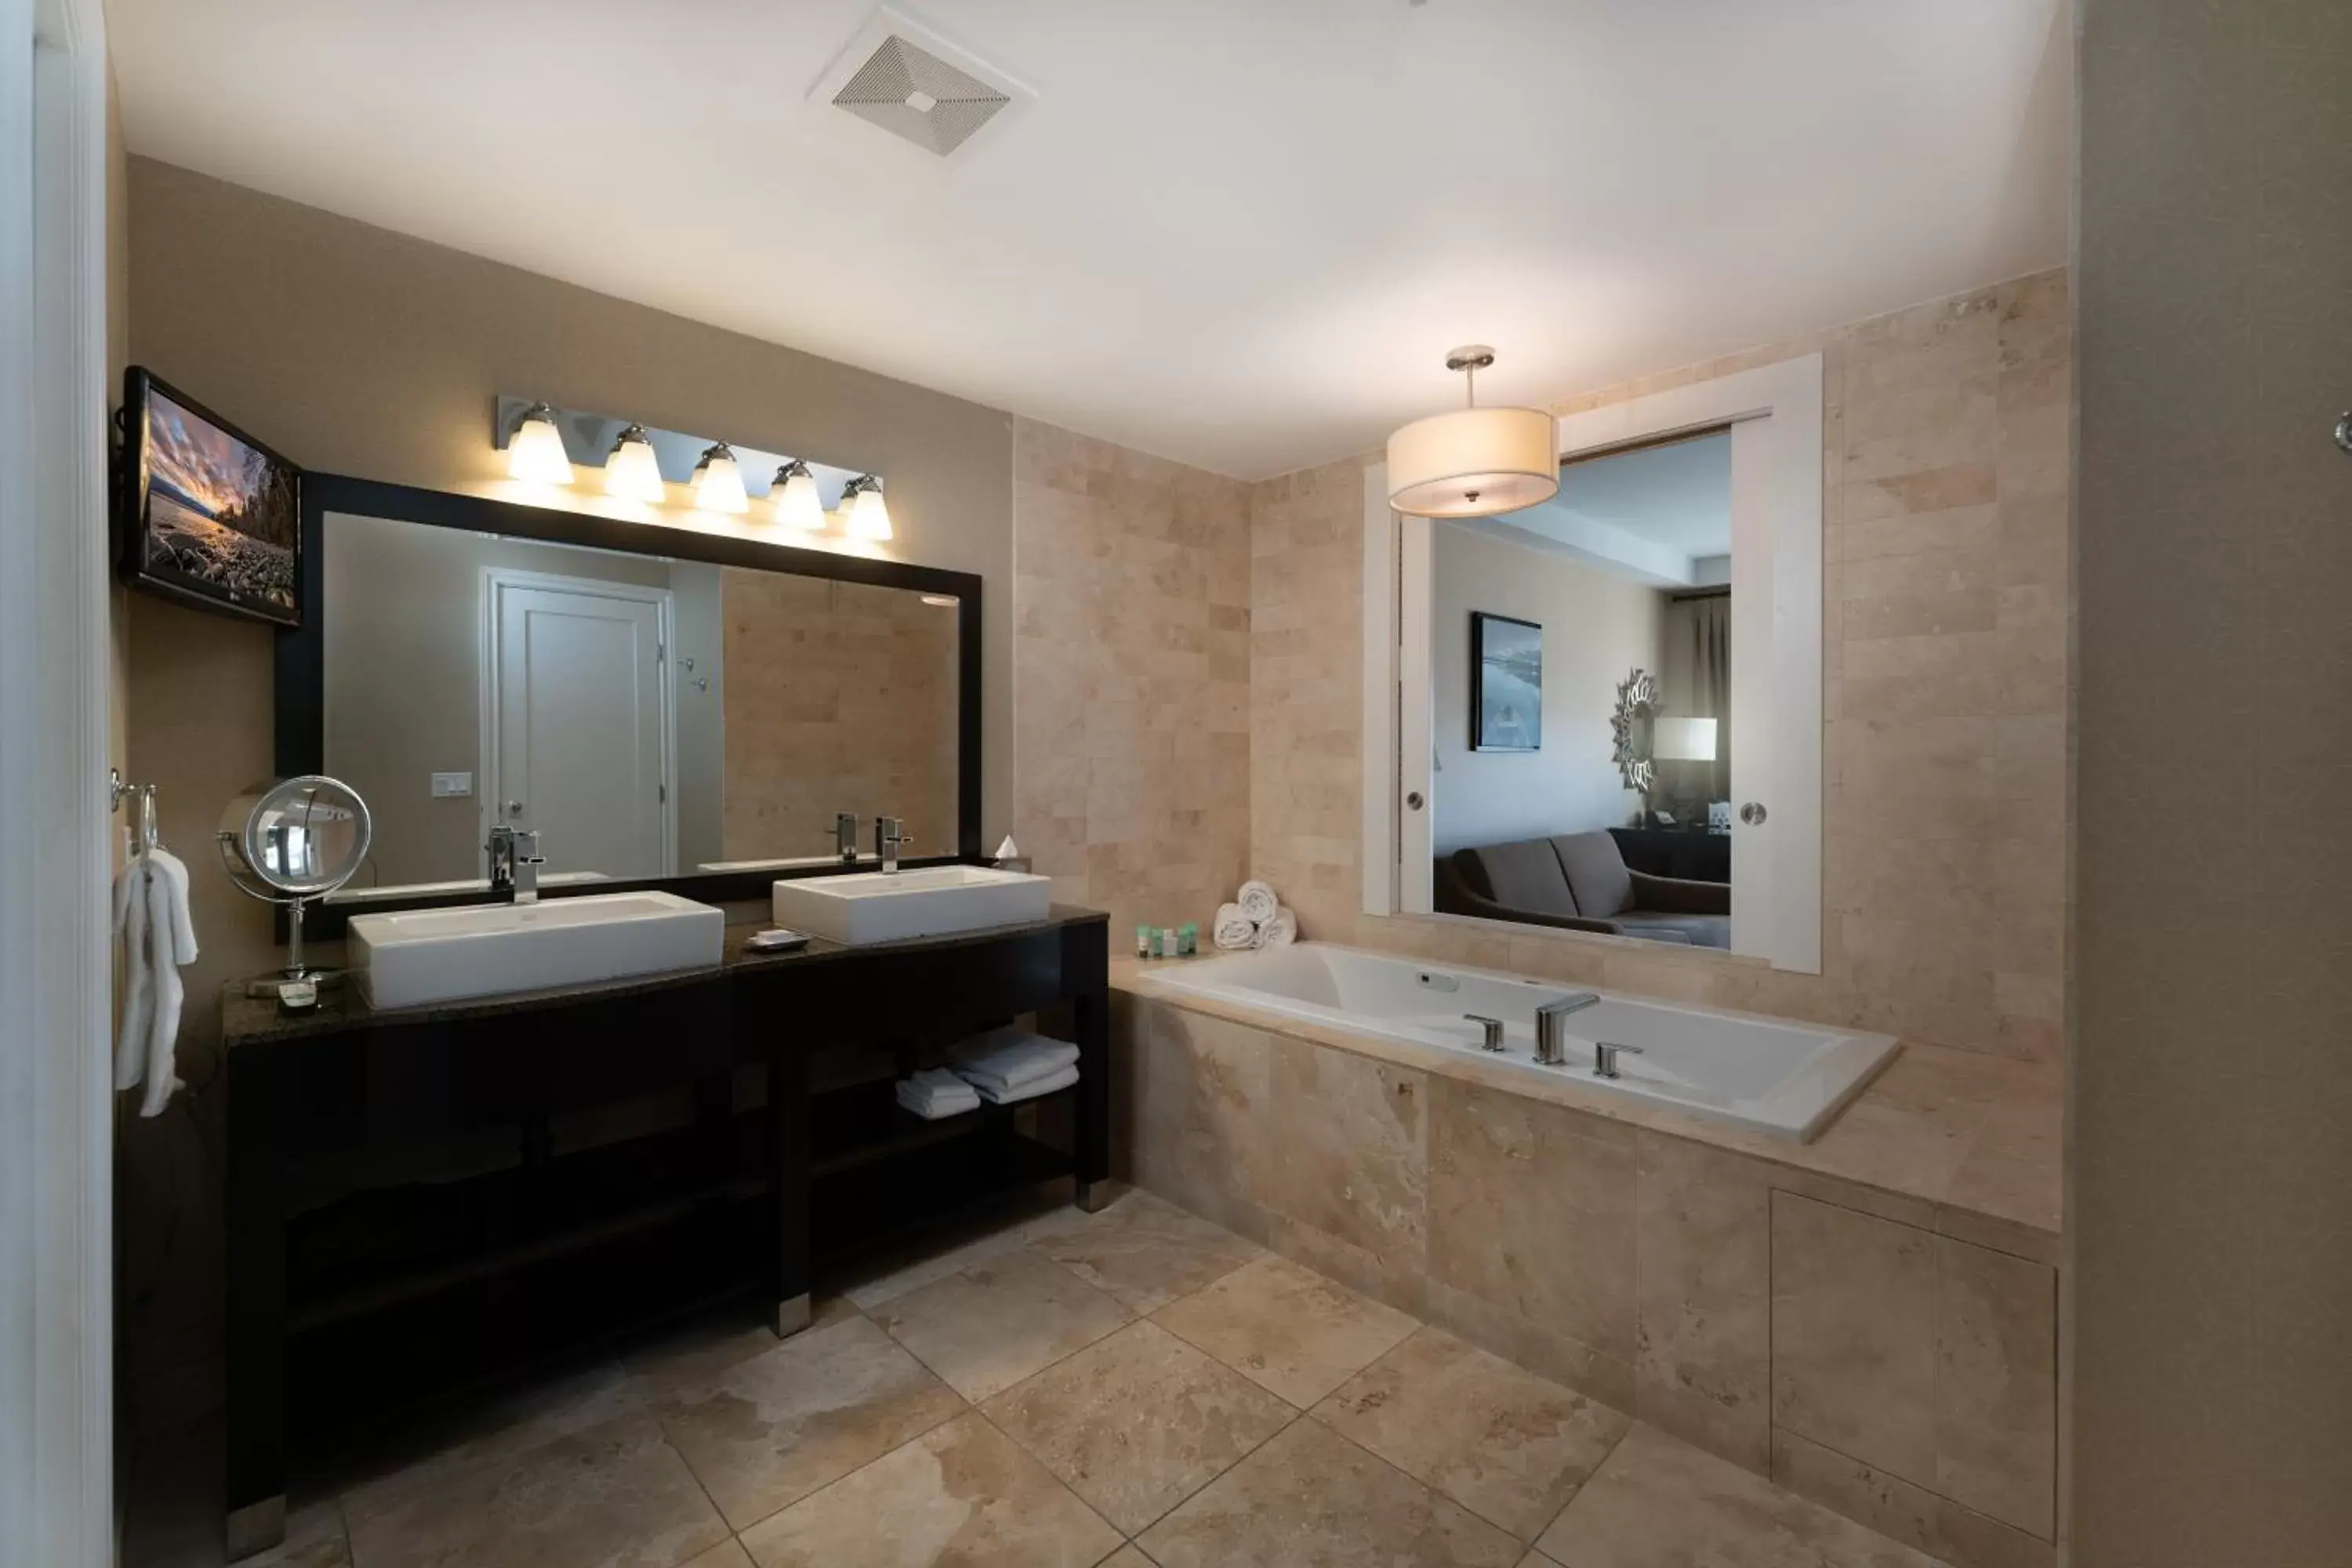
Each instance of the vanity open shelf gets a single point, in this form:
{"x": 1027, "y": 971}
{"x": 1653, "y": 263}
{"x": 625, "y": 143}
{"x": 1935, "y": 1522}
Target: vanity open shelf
{"x": 436, "y": 1198}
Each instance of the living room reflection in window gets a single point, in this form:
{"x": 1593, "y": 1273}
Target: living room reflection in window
{"x": 1620, "y": 820}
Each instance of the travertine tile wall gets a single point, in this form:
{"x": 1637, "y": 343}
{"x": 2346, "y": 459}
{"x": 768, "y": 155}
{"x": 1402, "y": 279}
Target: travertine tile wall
{"x": 1831, "y": 1333}
{"x": 839, "y": 697}
{"x": 1131, "y": 677}
{"x": 2211, "y": 1133}
{"x": 1945, "y": 506}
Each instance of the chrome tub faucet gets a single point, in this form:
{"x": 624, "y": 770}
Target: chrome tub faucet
{"x": 1551, "y": 1025}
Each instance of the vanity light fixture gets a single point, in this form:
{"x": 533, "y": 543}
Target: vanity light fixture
{"x": 797, "y": 503}
{"x": 1473, "y": 462}
{"x": 944, "y": 601}
{"x": 718, "y": 482}
{"x": 865, "y": 514}
{"x": 535, "y": 452}
{"x": 633, "y": 472}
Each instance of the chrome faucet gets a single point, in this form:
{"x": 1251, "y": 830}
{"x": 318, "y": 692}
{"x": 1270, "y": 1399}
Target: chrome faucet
{"x": 888, "y": 841}
{"x": 845, "y": 836}
{"x": 515, "y": 861}
{"x": 1494, "y": 1031}
{"x": 1551, "y": 1025}
{"x": 1604, "y": 1057}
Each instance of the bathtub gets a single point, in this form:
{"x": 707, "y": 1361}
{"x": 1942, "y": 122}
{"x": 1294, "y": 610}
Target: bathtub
{"x": 1777, "y": 1076}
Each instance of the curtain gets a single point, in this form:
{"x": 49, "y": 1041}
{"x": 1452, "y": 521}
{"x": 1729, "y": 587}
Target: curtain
{"x": 1710, "y": 694}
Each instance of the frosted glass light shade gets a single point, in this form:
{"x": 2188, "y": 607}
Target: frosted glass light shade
{"x": 633, "y": 472}
{"x": 797, "y": 503}
{"x": 719, "y": 483}
{"x": 869, "y": 515}
{"x": 1682, "y": 739}
{"x": 1473, "y": 462}
{"x": 535, "y": 451}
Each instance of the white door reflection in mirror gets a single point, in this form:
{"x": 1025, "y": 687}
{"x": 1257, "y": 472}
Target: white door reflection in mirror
{"x": 578, "y": 737}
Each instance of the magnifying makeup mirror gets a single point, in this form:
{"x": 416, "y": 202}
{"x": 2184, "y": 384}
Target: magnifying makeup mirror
{"x": 290, "y": 842}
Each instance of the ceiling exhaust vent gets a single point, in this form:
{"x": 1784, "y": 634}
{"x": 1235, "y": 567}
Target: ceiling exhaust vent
{"x": 920, "y": 87}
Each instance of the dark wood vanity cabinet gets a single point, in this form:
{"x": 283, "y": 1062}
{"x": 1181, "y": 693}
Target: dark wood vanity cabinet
{"x": 426, "y": 1201}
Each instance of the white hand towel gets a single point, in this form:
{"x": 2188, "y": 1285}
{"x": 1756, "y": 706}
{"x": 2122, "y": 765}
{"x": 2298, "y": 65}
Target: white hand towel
{"x": 1011, "y": 1056}
{"x": 1058, "y": 1082}
{"x": 1234, "y": 932}
{"x": 1257, "y": 901}
{"x": 1279, "y": 931}
{"x": 138, "y": 978}
{"x": 937, "y": 1093}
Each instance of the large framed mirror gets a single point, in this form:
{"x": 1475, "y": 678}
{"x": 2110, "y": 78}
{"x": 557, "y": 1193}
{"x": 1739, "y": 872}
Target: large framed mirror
{"x": 664, "y": 706}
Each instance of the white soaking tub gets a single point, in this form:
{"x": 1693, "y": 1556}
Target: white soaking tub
{"x": 1773, "y": 1075}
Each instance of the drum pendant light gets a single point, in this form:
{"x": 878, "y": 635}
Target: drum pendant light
{"x": 1473, "y": 462}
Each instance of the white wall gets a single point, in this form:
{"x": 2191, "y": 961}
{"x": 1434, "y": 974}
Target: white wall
{"x": 1597, "y": 628}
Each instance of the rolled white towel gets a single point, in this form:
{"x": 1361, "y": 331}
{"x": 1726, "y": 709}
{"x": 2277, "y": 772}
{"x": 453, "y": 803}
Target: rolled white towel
{"x": 1060, "y": 1080}
{"x": 1279, "y": 931}
{"x": 1257, "y": 901}
{"x": 1234, "y": 932}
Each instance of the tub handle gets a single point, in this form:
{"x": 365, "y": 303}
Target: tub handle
{"x": 1494, "y": 1028}
{"x": 1605, "y": 1054}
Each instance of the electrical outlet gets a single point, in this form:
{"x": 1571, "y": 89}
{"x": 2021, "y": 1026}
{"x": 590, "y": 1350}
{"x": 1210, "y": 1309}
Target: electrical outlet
{"x": 452, "y": 786}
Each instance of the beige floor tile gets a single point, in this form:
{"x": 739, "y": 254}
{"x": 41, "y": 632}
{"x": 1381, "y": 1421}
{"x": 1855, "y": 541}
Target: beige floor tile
{"x": 1126, "y": 1557}
{"x": 952, "y": 1248}
{"x": 1137, "y": 1422}
{"x": 961, "y": 1494}
{"x": 1286, "y": 1328}
{"x": 728, "y": 1553}
{"x": 1508, "y": 1446}
{"x": 1659, "y": 1501}
{"x": 704, "y": 1348}
{"x": 764, "y": 1433}
{"x": 1146, "y": 1252}
{"x": 993, "y": 1324}
{"x": 615, "y": 1495}
{"x": 1310, "y": 1499}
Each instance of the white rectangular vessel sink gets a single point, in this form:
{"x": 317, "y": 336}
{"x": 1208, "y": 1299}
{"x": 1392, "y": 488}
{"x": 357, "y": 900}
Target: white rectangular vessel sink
{"x": 419, "y": 957}
{"x": 896, "y": 906}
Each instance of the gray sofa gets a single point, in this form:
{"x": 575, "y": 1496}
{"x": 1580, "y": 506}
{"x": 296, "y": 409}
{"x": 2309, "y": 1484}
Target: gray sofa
{"x": 1579, "y": 881}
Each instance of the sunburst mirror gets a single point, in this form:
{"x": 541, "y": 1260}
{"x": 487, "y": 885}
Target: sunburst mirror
{"x": 1629, "y": 728}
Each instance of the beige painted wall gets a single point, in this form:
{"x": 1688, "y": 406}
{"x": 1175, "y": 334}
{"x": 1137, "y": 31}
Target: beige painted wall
{"x": 1597, "y": 626}
{"x": 1947, "y": 602}
{"x": 2211, "y": 1133}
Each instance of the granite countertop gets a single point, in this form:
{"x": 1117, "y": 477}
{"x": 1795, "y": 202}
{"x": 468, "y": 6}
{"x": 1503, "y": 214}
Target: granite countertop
{"x": 249, "y": 1020}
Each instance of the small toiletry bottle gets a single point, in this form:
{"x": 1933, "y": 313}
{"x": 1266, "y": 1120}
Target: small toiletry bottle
{"x": 1146, "y": 942}
{"x": 1188, "y": 938}
{"x": 1168, "y": 941}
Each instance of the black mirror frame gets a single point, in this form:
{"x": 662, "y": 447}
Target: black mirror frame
{"x": 301, "y": 655}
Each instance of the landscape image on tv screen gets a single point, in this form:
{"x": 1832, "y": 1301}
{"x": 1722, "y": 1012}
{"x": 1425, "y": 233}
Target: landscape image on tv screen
{"x": 221, "y": 516}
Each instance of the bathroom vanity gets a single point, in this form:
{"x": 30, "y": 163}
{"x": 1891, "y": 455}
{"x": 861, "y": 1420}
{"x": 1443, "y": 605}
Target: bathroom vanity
{"x": 429, "y": 1198}
{"x": 524, "y": 1127}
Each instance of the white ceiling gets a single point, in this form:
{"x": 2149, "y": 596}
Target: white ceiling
{"x": 1677, "y": 495}
{"x": 1239, "y": 233}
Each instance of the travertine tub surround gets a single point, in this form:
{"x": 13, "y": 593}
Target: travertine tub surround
{"x": 1945, "y": 605}
{"x": 1638, "y": 1255}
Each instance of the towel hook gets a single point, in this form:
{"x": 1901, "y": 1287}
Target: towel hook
{"x": 150, "y": 836}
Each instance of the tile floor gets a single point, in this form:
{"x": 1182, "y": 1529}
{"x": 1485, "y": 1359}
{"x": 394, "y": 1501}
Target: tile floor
{"x": 1132, "y": 1388}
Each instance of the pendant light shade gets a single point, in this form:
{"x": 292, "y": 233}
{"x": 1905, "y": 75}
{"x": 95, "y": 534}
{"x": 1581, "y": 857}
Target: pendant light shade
{"x": 1475, "y": 462}
{"x": 868, "y": 515}
{"x": 719, "y": 483}
{"x": 535, "y": 452}
{"x": 796, "y": 501}
{"x": 633, "y": 472}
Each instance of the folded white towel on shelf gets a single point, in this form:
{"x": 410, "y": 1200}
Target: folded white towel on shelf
{"x": 1257, "y": 901}
{"x": 1279, "y": 931}
{"x": 1001, "y": 1096}
{"x": 1234, "y": 932}
{"x": 1011, "y": 1057}
{"x": 936, "y": 1093}
{"x": 150, "y": 911}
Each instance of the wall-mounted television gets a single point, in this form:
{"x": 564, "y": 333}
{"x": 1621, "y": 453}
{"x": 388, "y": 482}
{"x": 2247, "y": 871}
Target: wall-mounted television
{"x": 206, "y": 514}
